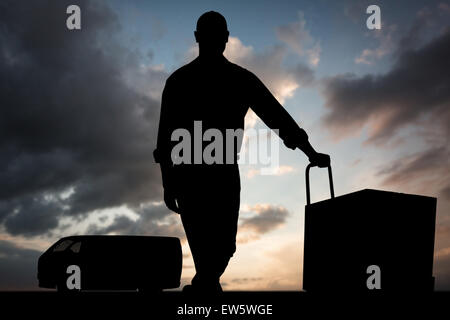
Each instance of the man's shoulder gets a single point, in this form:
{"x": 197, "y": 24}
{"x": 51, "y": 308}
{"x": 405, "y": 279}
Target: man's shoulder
{"x": 246, "y": 76}
{"x": 239, "y": 70}
{"x": 183, "y": 71}
{"x": 192, "y": 66}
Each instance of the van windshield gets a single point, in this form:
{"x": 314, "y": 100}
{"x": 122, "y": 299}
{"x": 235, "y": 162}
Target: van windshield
{"x": 63, "y": 245}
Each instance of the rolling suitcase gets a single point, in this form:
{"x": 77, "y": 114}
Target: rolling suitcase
{"x": 368, "y": 240}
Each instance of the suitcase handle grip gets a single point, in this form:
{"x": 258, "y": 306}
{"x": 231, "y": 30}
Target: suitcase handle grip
{"x": 330, "y": 178}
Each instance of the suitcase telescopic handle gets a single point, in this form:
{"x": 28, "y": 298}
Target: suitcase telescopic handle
{"x": 330, "y": 178}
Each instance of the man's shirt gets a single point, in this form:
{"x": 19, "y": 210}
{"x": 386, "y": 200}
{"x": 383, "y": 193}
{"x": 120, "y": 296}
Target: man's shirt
{"x": 218, "y": 96}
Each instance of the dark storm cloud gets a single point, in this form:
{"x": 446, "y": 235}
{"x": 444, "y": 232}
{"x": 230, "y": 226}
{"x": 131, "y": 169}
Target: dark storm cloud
{"x": 414, "y": 166}
{"x": 71, "y": 118}
{"x": 304, "y": 74}
{"x": 154, "y": 219}
{"x": 416, "y": 91}
{"x": 18, "y": 267}
{"x": 416, "y": 86}
{"x": 266, "y": 219}
{"x": 32, "y": 215}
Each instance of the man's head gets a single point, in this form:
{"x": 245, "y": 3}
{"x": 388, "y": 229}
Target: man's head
{"x": 212, "y": 33}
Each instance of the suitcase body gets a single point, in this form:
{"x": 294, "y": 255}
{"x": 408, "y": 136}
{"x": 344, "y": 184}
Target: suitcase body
{"x": 347, "y": 234}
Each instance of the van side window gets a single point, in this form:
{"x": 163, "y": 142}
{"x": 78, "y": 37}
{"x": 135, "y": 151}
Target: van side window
{"x": 63, "y": 245}
{"x": 76, "y": 247}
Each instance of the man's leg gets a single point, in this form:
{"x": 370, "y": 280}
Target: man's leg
{"x": 211, "y": 227}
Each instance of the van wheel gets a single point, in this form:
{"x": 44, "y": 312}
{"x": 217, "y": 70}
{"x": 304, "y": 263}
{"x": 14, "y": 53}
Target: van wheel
{"x": 61, "y": 287}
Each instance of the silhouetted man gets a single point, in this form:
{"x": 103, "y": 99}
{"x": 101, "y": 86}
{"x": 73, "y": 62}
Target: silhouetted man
{"x": 218, "y": 93}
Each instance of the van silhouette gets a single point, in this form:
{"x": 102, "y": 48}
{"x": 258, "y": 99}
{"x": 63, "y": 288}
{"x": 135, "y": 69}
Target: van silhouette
{"x": 143, "y": 263}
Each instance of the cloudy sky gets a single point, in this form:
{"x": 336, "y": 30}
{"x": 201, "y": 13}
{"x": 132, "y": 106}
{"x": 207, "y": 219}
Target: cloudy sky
{"x": 80, "y": 109}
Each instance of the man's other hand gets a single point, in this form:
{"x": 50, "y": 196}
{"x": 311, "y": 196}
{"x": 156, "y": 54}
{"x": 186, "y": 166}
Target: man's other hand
{"x": 321, "y": 160}
{"x": 170, "y": 200}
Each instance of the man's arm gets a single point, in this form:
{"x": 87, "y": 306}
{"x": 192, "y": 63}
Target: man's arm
{"x": 272, "y": 113}
{"x": 162, "y": 153}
